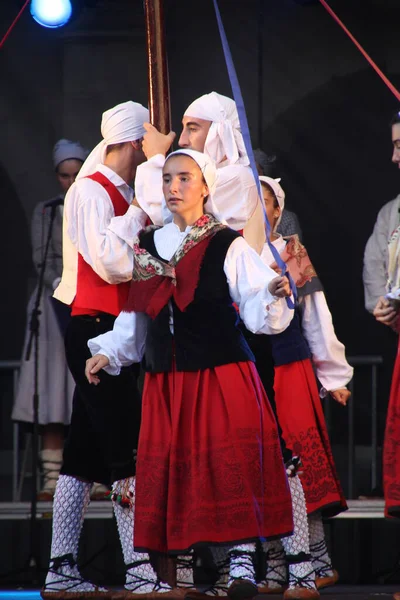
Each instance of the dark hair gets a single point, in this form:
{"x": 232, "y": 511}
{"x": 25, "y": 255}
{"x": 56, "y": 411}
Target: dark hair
{"x": 119, "y": 145}
{"x": 395, "y": 119}
{"x": 271, "y": 191}
{"x": 112, "y": 147}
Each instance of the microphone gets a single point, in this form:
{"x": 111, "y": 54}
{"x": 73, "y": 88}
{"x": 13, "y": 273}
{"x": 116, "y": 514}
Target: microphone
{"x": 55, "y": 202}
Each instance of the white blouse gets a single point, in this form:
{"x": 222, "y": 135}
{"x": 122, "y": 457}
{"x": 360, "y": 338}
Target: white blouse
{"x": 91, "y": 229}
{"x": 328, "y": 354}
{"x": 248, "y": 279}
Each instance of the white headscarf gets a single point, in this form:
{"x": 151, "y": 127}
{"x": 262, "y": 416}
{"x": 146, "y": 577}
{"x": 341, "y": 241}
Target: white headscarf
{"x": 123, "y": 123}
{"x": 67, "y": 150}
{"x": 224, "y": 139}
{"x": 209, "y": 170}
{"x": 279, "y": 193}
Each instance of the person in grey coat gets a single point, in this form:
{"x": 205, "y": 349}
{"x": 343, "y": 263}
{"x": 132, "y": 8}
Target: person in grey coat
{"x": 54, "y": 379}
{"x": 375, "y": 271}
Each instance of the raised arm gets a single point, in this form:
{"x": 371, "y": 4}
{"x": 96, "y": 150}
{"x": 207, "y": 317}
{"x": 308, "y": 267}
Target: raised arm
{"x": 148, "y": 188}
{"x": 104, "y": 240}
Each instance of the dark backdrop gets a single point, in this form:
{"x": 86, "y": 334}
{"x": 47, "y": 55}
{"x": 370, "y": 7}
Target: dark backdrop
{"x": 311, "y": 98}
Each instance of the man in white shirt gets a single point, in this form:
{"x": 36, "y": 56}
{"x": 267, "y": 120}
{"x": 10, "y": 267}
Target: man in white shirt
{"x": 100, "y": 224}
{"x": 210, "y": 125}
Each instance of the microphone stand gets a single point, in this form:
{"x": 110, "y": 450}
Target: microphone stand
{"x": 34, "y": 326}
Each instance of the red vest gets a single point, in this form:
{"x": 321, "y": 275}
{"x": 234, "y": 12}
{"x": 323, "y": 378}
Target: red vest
{"x": 93, "y": 294}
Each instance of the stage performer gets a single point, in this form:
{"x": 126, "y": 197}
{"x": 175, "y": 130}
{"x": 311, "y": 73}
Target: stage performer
{"x": 209, "y": 466}
{"x": 210, "y": 125}
{"x": 387, "y": 312}
{"x": 308, "y": 343}
{"x": 100, "y": 223}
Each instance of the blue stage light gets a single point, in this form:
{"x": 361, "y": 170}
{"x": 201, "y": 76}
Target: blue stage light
{"x": 51, "y": 13}
{"x": 20, "y": 595}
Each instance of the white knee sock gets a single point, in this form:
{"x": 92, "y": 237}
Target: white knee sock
{"x": 297, "y": 546}
{"x": 241, "y": 562}
{"x": 318, "y": 548}
{"x": 140, "y": 576}
{"x": 71, "y": 500}
{"x": 184, "y": 571}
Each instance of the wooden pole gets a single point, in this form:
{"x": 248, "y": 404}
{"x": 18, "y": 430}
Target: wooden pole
{"x": 160, "y": 117}
{"x": 158, "y": 84}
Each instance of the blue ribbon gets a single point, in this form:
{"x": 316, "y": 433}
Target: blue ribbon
{"x": 237, "y": 96}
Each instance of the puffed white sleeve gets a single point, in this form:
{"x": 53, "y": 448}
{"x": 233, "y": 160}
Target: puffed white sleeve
{"x": 328, "y": 354}
{"x": 104, "y": 240}
{"x": 148, "y": 188}
{"x": 236, "y": 195}
{"x": 124, "y": 344}
{"x": 248, "y": 279}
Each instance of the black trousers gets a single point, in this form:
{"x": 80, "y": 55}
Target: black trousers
{"x": 104, "y": 431}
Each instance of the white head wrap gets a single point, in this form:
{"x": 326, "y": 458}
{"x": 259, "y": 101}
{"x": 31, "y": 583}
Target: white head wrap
{"x": 224, "y": 139}
{"x": 123, "y": 123}
{"x": 209, "y": 170}
{"x": 67, "y": 150}
{"x": 279, "y": 193}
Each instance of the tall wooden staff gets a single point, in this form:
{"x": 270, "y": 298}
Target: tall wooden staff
{"x": 160, "y": 117}
{"x": 157, "y": 64}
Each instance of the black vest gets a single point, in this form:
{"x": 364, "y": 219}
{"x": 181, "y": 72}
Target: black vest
{"x": 206, "y": 334}
{"x": 290, "y": 345}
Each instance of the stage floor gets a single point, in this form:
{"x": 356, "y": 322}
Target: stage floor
{"x": 358, "y": 509}
{"x": 338, "y": 592}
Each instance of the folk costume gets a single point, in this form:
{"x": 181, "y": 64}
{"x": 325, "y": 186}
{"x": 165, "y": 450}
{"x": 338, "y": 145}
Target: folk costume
{"x": 99, "y": 226}
{"x": 209, "y": 465}
{"x": 308, "y": 343}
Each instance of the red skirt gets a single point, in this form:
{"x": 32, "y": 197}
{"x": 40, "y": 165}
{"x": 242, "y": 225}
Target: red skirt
{"x": 209, "y": 465}
{"x": 304, "y": 430}
{"x": 391, "y": 446}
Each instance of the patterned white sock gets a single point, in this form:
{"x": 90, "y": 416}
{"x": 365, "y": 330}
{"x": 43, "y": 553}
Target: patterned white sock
{"x": 184, "y": 571}
{"x": 297, "y": 546}
{"x": 71, "y": 500}
{"x": 276, "y": 572}
{"x": 140, "y": 576}
{"x": 241, "y": 563}
{"x": 319, "y": 552}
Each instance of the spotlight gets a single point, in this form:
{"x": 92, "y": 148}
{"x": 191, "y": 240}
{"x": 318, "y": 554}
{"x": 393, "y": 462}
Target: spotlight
{"x": 51, "y": 13}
